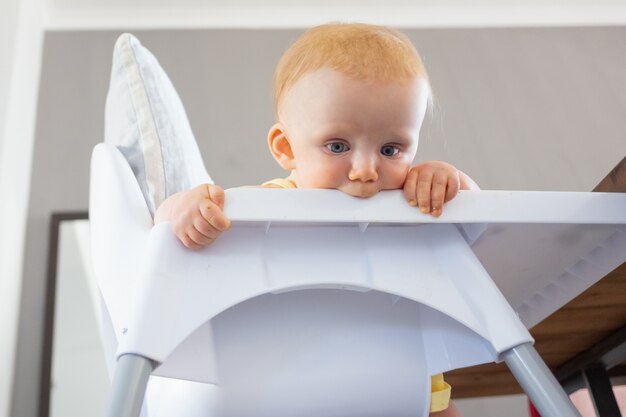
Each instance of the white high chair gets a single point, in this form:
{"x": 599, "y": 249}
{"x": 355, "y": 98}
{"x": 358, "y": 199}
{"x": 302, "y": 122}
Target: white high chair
{"x": 316, "y": 303}
{"x": 319, "y": 304}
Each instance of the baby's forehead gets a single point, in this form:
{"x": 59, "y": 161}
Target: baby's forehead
{"x": 319, "y": 79}
{"x": 326, "y": 103}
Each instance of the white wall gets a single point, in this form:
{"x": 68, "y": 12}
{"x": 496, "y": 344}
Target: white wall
{"x": 8, "y": 23}
{"x": 79, "y": 378}
{"x": 21, "y": 34}
{"x": 274, "y": 14}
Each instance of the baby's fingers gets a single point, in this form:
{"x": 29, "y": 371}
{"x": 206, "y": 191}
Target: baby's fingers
{"x": 454, "y": 185}
{"x": 189, "y": 242}
{"x": 216, "y": 195}
{"x": 207, "y": 231}
{"x": 198, "y": 239}
{"x": 438, "y": 192}
{"x": 214, "y": 217}
{"x": 410, "y": 187}
{"x": 424, "y": 185}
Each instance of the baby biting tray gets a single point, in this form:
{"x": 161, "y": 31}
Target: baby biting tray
{"x": 318, "y": 303}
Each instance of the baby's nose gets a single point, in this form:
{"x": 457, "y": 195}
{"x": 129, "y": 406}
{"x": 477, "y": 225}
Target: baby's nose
{"x": 363, "y": 169}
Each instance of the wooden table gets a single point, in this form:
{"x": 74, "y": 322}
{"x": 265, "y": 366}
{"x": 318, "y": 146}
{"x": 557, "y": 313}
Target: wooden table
{"x": 585, "y": 331}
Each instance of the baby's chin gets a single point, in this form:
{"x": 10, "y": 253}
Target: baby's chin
{"x": 361, "y": 191}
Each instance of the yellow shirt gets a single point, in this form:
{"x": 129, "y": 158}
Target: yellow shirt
{"x": 279, "y": 183}
{"x": 440, "y": 390}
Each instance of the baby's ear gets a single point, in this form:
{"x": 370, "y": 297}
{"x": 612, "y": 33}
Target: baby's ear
{"x": 280, "y": 147}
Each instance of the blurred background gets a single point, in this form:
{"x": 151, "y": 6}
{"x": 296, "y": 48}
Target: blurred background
{"x": 529, "y": 95}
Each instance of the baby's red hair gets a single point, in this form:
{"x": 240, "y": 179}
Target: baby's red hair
{"x": 360, "y": 51}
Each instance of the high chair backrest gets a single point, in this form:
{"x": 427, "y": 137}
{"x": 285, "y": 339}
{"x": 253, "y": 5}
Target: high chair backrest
{"x": 151, "y": 154}
{"x": 145, "y": 119}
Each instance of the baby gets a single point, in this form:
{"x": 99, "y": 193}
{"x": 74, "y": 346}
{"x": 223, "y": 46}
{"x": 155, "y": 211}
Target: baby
{"x": 350, "y": 100}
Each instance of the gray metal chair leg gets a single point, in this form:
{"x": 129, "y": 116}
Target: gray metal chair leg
{"x": 538, "y": 382}
{"x": 129, "y": 385}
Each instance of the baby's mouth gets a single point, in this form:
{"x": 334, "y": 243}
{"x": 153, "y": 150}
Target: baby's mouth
{"x": 361, "y": 190}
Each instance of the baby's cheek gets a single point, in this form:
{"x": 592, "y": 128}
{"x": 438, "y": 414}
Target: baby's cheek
{"x": 321, "y": 177}
{"x": 397, "y": 176}
{"x": 326, "y": 179}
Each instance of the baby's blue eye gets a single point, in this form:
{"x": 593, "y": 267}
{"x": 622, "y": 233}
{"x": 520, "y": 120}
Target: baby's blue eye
{"x": 389, "y": 150}
{"x": 337, "y": 147}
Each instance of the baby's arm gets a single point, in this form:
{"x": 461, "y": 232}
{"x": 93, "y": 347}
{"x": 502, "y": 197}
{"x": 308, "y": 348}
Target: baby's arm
{"x": 195, "y": 215}
{"x": 431, "y": 184}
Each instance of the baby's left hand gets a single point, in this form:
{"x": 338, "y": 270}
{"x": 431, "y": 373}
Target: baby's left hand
{"x": 431, "y": 184}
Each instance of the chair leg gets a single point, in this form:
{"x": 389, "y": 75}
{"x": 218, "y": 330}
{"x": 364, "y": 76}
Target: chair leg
{"x": 538, "y": 382}
{"x": 129, "y": 385}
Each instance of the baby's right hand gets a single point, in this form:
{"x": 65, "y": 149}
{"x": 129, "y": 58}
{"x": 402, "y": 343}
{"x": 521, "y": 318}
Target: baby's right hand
{"x": 196, "y": 215}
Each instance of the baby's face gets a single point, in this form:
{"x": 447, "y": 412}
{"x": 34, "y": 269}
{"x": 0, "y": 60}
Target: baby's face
{"x": 356, "y": 136}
